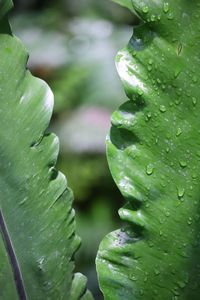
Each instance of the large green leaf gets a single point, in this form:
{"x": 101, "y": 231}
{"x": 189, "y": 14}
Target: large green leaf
{"x": 154, "y": 156}
{"x": 37, "y": 241}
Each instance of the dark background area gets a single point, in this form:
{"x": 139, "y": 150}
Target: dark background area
{"x": 72, "y": 45}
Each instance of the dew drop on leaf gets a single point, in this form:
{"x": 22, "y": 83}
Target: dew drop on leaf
{"x": 175, "y": 292}
{"x": 194, "y": 176}
{"x": 177, "y": 101}
{"x": 133, "y": 278}
{"x": 140, "y": 92}
{"x": 194, "y": 79}
{"x": 170, "y": 16}
{"x": 156, "y": 271}
{"x": 162, "y": 108}
{"x": 180, "y": 191}
{"x": 148, "y": 116}
{"x": 181, "y": 284}
{"x": 167, "y": 149}
{"x": 176, "y": 73}
{"x": 149, "y": 169}
{"x": 145, "y": 9}
{"x": 179, "y": 132}
{"x": 166, "y": 7}
{"x": 167, "y": 213}
{"x": 183, "y": 163}
{"x": 194, "y": 101}
{"x": 153, "y": 18}
{"x": 141, "y": 292}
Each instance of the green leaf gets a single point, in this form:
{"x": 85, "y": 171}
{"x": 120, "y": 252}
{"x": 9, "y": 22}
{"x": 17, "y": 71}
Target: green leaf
{"x": 125, "y": 3}
{"x": 154, "y": 156}
{"x": 37, "y": 241}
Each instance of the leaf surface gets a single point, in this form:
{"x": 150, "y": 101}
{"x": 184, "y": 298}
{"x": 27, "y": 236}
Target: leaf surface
{"x": 125, "y": 3}
{"x": 154, "y": 155}
{"x": 37, "y": 240}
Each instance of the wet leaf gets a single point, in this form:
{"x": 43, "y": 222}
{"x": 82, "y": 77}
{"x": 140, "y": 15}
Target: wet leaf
{"x": 37, "y": 240}
{"x": 153, "y": 159}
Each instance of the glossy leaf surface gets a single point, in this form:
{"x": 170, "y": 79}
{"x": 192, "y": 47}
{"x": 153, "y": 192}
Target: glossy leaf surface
{"x": 37, "y": 228}
{"x": 154, "y": 156}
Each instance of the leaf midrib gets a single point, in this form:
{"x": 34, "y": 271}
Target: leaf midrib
{"x": 13, "y": 259}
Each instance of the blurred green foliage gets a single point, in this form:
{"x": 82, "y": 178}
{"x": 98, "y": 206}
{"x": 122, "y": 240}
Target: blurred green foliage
{"x": 72, "y": 45}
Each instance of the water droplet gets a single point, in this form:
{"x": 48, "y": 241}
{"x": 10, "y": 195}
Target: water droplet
{"x": 145, "y": 9}
{"x": 179, "y": 132}
{"x": 166, "y": 7}
{"x": 137, "y": 43}
{"x": 149, "y": 169}
{"x": 180, "y": 191}
{"x": 151, "y": 244}
{"x": 157, "y": 272}
{"x": 153, "y": 18}
{"x": 162, "y": 108}
{"x": 141, "y": 292}
{"x": 145, "y": 279}
{"x": 40, "y": 263}
{"x": 168, "y": 136}
{"x": 140, "y": 92}
{"x": 158, "y": 80}
{"x": 194, "y": 101}
{"x": 167, "y": 213}
{"x": 177, "y": 72}
{"x": 133, "y": 278}
{"x": 161, "y": 220}
{"x": 177, "y": 101}
{"x": 148, "y": 116}
{"x": 194, "y": 176}
{"x": 133, "y": 52}
{"x": 175, "y": 292}
{"x": 150, "y": 62}
{"x": 170, "y": 16}
{"x": 163, "y": 184}
{"x": 183, "y": 163}
{"x": 189, "y": 221}
{"x": 194, "y": 79}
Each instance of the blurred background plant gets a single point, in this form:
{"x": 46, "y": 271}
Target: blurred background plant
{"x": 72, "y": 45}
